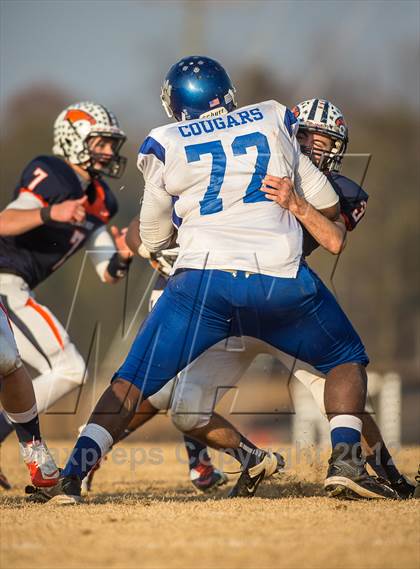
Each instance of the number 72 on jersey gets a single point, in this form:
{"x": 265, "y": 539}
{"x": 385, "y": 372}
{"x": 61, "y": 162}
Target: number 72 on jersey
{"x": 211, "y": 202}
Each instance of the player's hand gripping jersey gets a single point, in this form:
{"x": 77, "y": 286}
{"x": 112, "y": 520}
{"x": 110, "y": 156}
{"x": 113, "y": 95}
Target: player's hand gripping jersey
{"x": 206, "y": 174}
{"x": 48, "y": 180}
{"x": 353, "y": 203}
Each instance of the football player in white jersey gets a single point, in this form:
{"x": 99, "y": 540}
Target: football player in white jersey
{"x": 323, "y": 135}
{"x": 239, "y": 272}
{"x": 17, "y": 398}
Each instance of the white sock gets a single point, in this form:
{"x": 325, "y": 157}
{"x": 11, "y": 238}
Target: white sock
{"x": 100, "y": 435}
{"x": 24, "y": 417}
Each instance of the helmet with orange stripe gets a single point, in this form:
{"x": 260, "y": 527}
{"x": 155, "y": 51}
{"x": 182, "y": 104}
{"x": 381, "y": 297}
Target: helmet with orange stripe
{"x": 89, "y": 135}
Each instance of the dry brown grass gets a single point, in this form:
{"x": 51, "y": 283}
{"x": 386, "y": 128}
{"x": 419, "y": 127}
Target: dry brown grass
{"x": 152, "y": 518}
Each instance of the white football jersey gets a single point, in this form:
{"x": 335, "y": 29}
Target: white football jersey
{"x": 212, "y": 168}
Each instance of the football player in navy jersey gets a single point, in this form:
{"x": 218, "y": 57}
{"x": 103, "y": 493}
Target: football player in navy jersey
{"x": 323, "y": 136}
{"x": 320, "y": 139}
{"x": 60, "y": 204}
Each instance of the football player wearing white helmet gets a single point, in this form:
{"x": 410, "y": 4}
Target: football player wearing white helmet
{"x": 235, "y": 245}
{"x": 323, "y": 135}
{"x": 324, "y": 138}
{"x": 320, "y": 117}
{"x": 88, "y": 136}
{"x": 60, "y": 204}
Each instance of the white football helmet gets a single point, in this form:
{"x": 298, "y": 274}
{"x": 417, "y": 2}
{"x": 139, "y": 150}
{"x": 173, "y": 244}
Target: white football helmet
{"x": 321, "y": 116}
{"x": 76, "y": 125}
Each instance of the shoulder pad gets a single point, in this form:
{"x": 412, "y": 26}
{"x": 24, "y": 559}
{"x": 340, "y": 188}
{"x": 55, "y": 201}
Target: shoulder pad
{"x": 353, "y": 199}
{"x": 272, "y": 103}
{"x": 151, "y": 145}
{"x": 50, "y": 179}
{"x": 347, "y": 188}
{"x": 287, "y": 118}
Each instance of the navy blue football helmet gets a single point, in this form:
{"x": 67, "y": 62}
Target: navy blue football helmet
{"x": 197, "y": 86}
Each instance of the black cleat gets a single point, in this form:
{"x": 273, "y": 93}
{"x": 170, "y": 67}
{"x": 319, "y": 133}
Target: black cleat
{"x": 65, "y": 492}
{"x": 403, "y": 487}
{"x": 250, "y": 479}
{"x": 348, "y": 478}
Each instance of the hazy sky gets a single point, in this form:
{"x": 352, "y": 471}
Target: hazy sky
{"x": 117, "y": 52}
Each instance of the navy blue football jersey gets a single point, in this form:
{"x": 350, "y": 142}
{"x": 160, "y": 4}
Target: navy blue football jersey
{"x": 37, "y": 253}
{"x": 353, "y": 202}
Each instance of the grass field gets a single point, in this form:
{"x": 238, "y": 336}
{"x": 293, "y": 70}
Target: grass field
{"x": 151, "y": 517}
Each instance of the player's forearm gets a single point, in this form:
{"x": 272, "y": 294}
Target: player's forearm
{"x": 152, "y": 243}
{"x": 156, "y": 228}
{"x": 133, "y": 235}
{"x": 16, "y": 221}
{"x": 330, "y": 234}
{"x": 323, "y": 224}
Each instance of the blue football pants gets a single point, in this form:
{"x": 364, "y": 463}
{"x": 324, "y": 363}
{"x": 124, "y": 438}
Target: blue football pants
{"x": 199, "y": 308}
